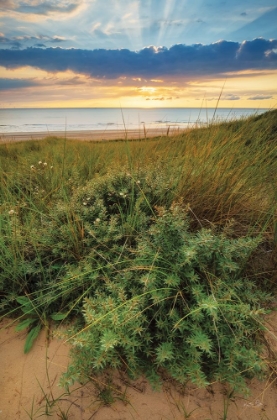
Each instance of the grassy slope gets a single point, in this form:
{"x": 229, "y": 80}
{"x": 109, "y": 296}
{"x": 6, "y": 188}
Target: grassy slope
{"x": 223, "y": 176}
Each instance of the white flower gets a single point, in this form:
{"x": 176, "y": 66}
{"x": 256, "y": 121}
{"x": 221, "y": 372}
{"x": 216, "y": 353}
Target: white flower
{"x": 11, "y": 212}
{"x": 45, "y": 164}
{"x": 40, "y": 162}
{"x": 85, "y": 203}
{"x": 32, "y": 167}
{"x": 121, "y": 194}
{"x": 138, "y": 182}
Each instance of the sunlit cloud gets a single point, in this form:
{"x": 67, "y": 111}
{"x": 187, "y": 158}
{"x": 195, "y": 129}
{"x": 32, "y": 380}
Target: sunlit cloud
{"x": 260, "y": 97}
{"x": 39, "y": 7}
{"x": 231, "y": 97}
{"x": 38, "y": 10}
{"x": 147, "y": 89}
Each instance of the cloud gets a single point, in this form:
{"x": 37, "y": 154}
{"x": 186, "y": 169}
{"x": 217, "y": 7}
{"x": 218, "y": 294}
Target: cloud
{"x": 101, "y": 34}
{"x": 57, "y": 39}
{"x": 151, "y": 62}
{"x": 260, "y": 97}
{"x": 7, "y": 84}
{"x": 257, "y": 49}
{"x": 231, "y": 97}
{"x": 17, "y": 42}
{"x": 160, "y": 98}
{"x": 72, "y": 81}
{"x": 10, "y": 42}
{"x": 166, "y": 22}
{"x": 40, "y": 7}
{"x": 5, "y": 4}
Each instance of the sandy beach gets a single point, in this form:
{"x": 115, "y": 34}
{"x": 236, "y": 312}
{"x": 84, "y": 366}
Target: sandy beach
{"x": 91, "y": 135}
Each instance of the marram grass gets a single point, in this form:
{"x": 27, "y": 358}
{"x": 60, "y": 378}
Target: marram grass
{"x": 162, "y": 250}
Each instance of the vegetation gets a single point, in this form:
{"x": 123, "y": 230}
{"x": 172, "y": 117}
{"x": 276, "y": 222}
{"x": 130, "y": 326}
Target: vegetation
{"x": 162, "y": 251}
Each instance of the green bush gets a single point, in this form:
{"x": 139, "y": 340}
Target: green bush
{"x": 182, "y": 304}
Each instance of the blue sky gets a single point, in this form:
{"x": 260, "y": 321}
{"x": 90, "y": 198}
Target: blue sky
{"x": 130, "y": 53}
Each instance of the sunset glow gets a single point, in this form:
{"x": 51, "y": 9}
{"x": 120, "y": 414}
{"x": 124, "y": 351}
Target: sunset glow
{"x": 112, "y": 56}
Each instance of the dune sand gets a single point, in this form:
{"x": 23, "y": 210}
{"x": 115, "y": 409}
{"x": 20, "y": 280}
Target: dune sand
{"x": 29, "y": 387}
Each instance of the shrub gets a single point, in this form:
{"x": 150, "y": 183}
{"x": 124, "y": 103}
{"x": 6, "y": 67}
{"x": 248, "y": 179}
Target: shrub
{"x": 182, "y": 304}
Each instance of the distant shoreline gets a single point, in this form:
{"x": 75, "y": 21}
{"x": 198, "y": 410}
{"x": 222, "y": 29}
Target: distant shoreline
{"x": 90, "y": 135}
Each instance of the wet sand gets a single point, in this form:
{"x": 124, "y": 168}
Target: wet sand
{"x": 91, "y": 135}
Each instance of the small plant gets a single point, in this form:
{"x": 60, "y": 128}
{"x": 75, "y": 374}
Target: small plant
{"x": 51, "y": 406}
{"x": 226, "y": 403}
{"x": 108, "y": 392}
{"x": 33, "y": 322}
{"x": 34, "y": 319}
{"x": 183, "y": 410}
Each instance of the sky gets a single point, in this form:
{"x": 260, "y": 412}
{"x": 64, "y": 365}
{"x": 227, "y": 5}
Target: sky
{"x": 138, "y": 53}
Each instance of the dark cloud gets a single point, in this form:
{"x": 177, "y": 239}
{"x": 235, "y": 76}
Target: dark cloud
{"x": 260, "y": 97}
{"x": 7, "y": 84}
{"x": 257, "y": 49}
{"x": 178, "y": 61}
{"x": 13, "y": 43}
{"x": 243, "y": 14}
{"x": 44, "y": 38}
{"x": 56, "y": 39}
{"x": 21, "y": 41}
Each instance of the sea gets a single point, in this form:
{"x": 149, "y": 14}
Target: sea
{"x": 33, "y": 120}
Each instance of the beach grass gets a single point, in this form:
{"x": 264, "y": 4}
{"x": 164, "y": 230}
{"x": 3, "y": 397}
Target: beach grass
{"x": 162, "y": 251}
